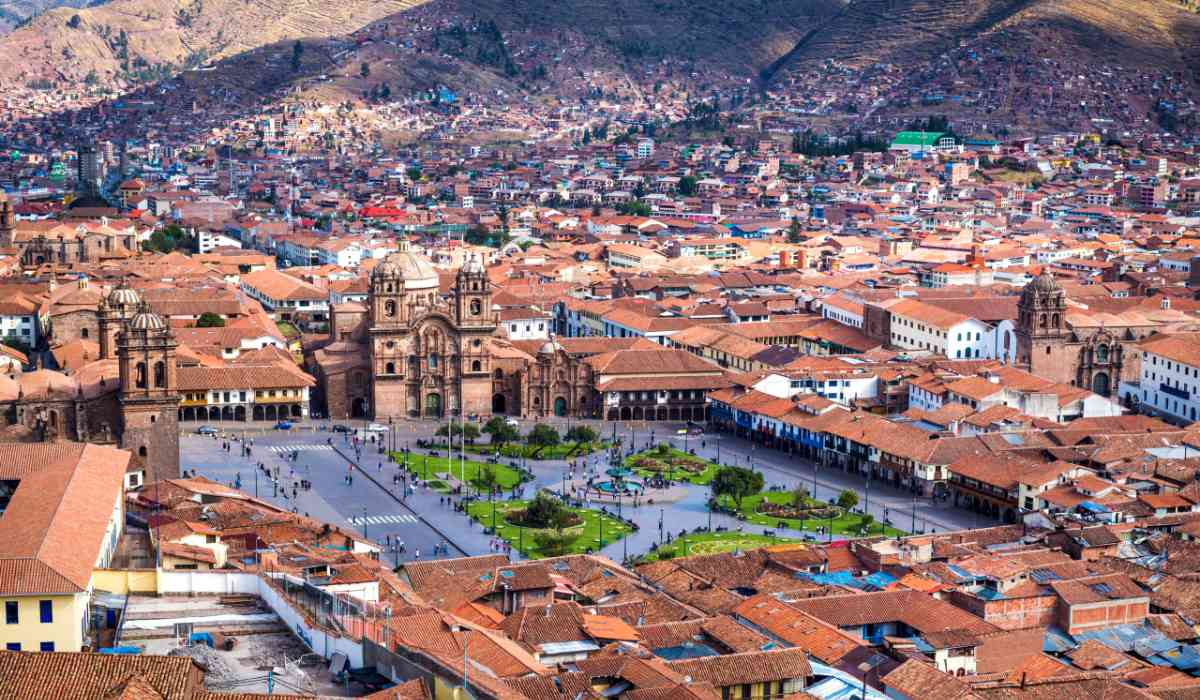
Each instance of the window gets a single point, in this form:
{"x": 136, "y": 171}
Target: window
{"x": 139, "y": 380}
{"x": 390, "y": 368}
{"x": 433, "y": 361}
{"x": 46, "y": 646}
{"x": 46, "y": 611}
{"x": 476, "y": 307}
{"x": 13, "y": 646}
{"x": 476, "y": 366}
{"x": 160, "y": 374}
{"x": 11, "y": 614}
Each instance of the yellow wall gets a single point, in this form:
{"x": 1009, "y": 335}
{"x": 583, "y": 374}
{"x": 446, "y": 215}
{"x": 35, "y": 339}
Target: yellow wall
{"x": 66, "y": 630}
{"x": 170, "y": 563}
{"x": 124, "y": 582}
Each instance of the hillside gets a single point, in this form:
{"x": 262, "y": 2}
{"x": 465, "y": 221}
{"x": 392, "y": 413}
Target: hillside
{"x": 1157, "y": 33}
{"x": 129, "y": 41}
{"x": 15, "y": 12}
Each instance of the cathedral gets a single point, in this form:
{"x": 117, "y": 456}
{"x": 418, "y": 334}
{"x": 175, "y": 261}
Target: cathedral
{"x": 415, "y": 352}
{"x": 411, "y": 352}
{"x": 128, "y": 397}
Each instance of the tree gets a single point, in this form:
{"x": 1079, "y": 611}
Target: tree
{"x": 867, "y": 521}
{"x": 297, "y": 54}
{"x": 541, "y": 437}
{"x": 799, "y": 497}
{"x": 555, "y": 543}
{"x": 580, "y": 434}
{"x": 847, "y": 499}
{"x": 501, "y": 432}
{"x": 487, "y": 479}
{"x": 547, "y": 512}
{"x": 365, "y": 70}
{"x": 167, "y": 239}
{"x": 457, "y": 430}
{"x": 687, "y": 185}
{"x": 209, "y": 319}
{"x": 794, "y": 232}
{"x": 737, "y": 483}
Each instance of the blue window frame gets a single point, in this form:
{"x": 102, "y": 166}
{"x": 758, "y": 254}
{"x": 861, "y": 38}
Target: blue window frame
{"x": 13, "y": 646}
{"x": 11, "y": 616}
{"x": 46, "y": 646}
{"x": 46, "y": 610}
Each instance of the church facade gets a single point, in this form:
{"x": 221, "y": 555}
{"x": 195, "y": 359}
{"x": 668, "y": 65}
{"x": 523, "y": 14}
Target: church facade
{"x": 128, "y": 397}
{"x": 1068, "y": 345}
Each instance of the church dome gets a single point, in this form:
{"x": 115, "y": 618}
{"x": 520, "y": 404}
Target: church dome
{"x": 147, "y": 320}
{"x": 124, "y": 296}
{"x": 412, "y": 270}
{"x": 1044, "y": 283}
{"x": 550, "y": 347}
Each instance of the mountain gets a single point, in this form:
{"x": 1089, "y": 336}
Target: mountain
{"x": 14, "y": 13}
{"x": 124, "y": 42}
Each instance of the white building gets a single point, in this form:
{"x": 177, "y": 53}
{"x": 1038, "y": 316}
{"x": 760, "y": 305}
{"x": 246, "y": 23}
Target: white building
{"x": 916, "y": 325}
{"x": 1170, "y": 379}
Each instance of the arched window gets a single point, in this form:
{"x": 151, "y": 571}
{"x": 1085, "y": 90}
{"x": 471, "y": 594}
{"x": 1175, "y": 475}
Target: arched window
{"x": 433, "y": 360}
{"x": 83, "y": 333}
{"x": 1042, "y": 321}
{"x": 414, "y": 364}
{"x": 476, "y": 307}
{"x": 476, "y": 366}
{"x": 1101, "y": 353}
{"x": 391, "y": 368}
{"x": 389, "y": 308}
{"x": 139, "y": 375}
{"x": 160, "y": 374}
{"x": 1054, "y": 320}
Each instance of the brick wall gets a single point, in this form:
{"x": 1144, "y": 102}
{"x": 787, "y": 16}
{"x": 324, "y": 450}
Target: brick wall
{"x": 1079, "y": 618}
{"x": 1010, "y": 613}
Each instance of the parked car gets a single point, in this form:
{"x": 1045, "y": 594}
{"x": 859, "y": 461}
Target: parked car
{"x": 206, "y": 430}
{"x": 283, "y": 425}
{"x": 377, "y": 428}
{"x": 513, "y": 422}
{"x": 339, "y": 428}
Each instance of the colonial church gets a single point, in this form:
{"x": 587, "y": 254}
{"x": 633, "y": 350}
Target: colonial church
{"x": 128, "y": 397}
{"x": 413, "y": 351}
{"x": 1071, "y": 343}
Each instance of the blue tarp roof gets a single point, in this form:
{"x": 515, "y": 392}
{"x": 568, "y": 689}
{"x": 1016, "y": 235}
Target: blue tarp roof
{"x": 1057, "y": 642}
{"x": 1093, "y": 507}
{"x": 878, "y": 580}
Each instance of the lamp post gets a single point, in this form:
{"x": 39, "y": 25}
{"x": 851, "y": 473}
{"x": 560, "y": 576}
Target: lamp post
{"x": 365, "y": 523}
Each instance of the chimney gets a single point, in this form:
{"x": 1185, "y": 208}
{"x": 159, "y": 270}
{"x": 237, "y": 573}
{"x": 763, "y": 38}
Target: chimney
{"x": 1022, "y": 680}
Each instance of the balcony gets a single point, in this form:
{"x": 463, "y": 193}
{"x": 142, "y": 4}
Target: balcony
{"x": 1172, "y": 391}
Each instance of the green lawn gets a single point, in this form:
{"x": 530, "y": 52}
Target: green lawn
{"x": 699, "y": 478}
{"x": 845, "y": 524}
{"x": 422, "y": 464}
{"x": 512, "y": 450}
{"x": 714, "y": 543}
{"x": 525, "y": 539}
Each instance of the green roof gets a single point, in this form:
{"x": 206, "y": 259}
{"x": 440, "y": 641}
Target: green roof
{"x": 917, "y": 138}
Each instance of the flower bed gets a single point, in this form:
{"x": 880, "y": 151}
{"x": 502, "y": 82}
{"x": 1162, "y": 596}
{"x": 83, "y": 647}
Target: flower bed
{"x": 521, "y": 517}
{"x": 789, "y": 511}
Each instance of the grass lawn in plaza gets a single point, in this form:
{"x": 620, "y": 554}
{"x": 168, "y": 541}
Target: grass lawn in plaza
{"x": 640, "y": 461}
{"x": 713, "y": 543}
{"x": 421, "y": 464}
{"x": 586, "y": 533}
{"x": 514, "y": 450}
{"x": 844, "y": 524}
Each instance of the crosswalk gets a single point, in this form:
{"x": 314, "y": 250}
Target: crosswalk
{"x": 399, "y": 519}
{"x": 294, "y": 447}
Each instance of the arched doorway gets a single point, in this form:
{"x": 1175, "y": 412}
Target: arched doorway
{"x": 433, "y": 405}
{"x": 499, "y": 404}
{"x": 358, "y": 408}
{"x": 560, "y": 407}
{"x": 296, "y": 412}
{"x": 259, "y": 413}
{"x": 239, "y": 413}
{"x": 272, "y": 412}
{"x": 1101, "y": 384}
